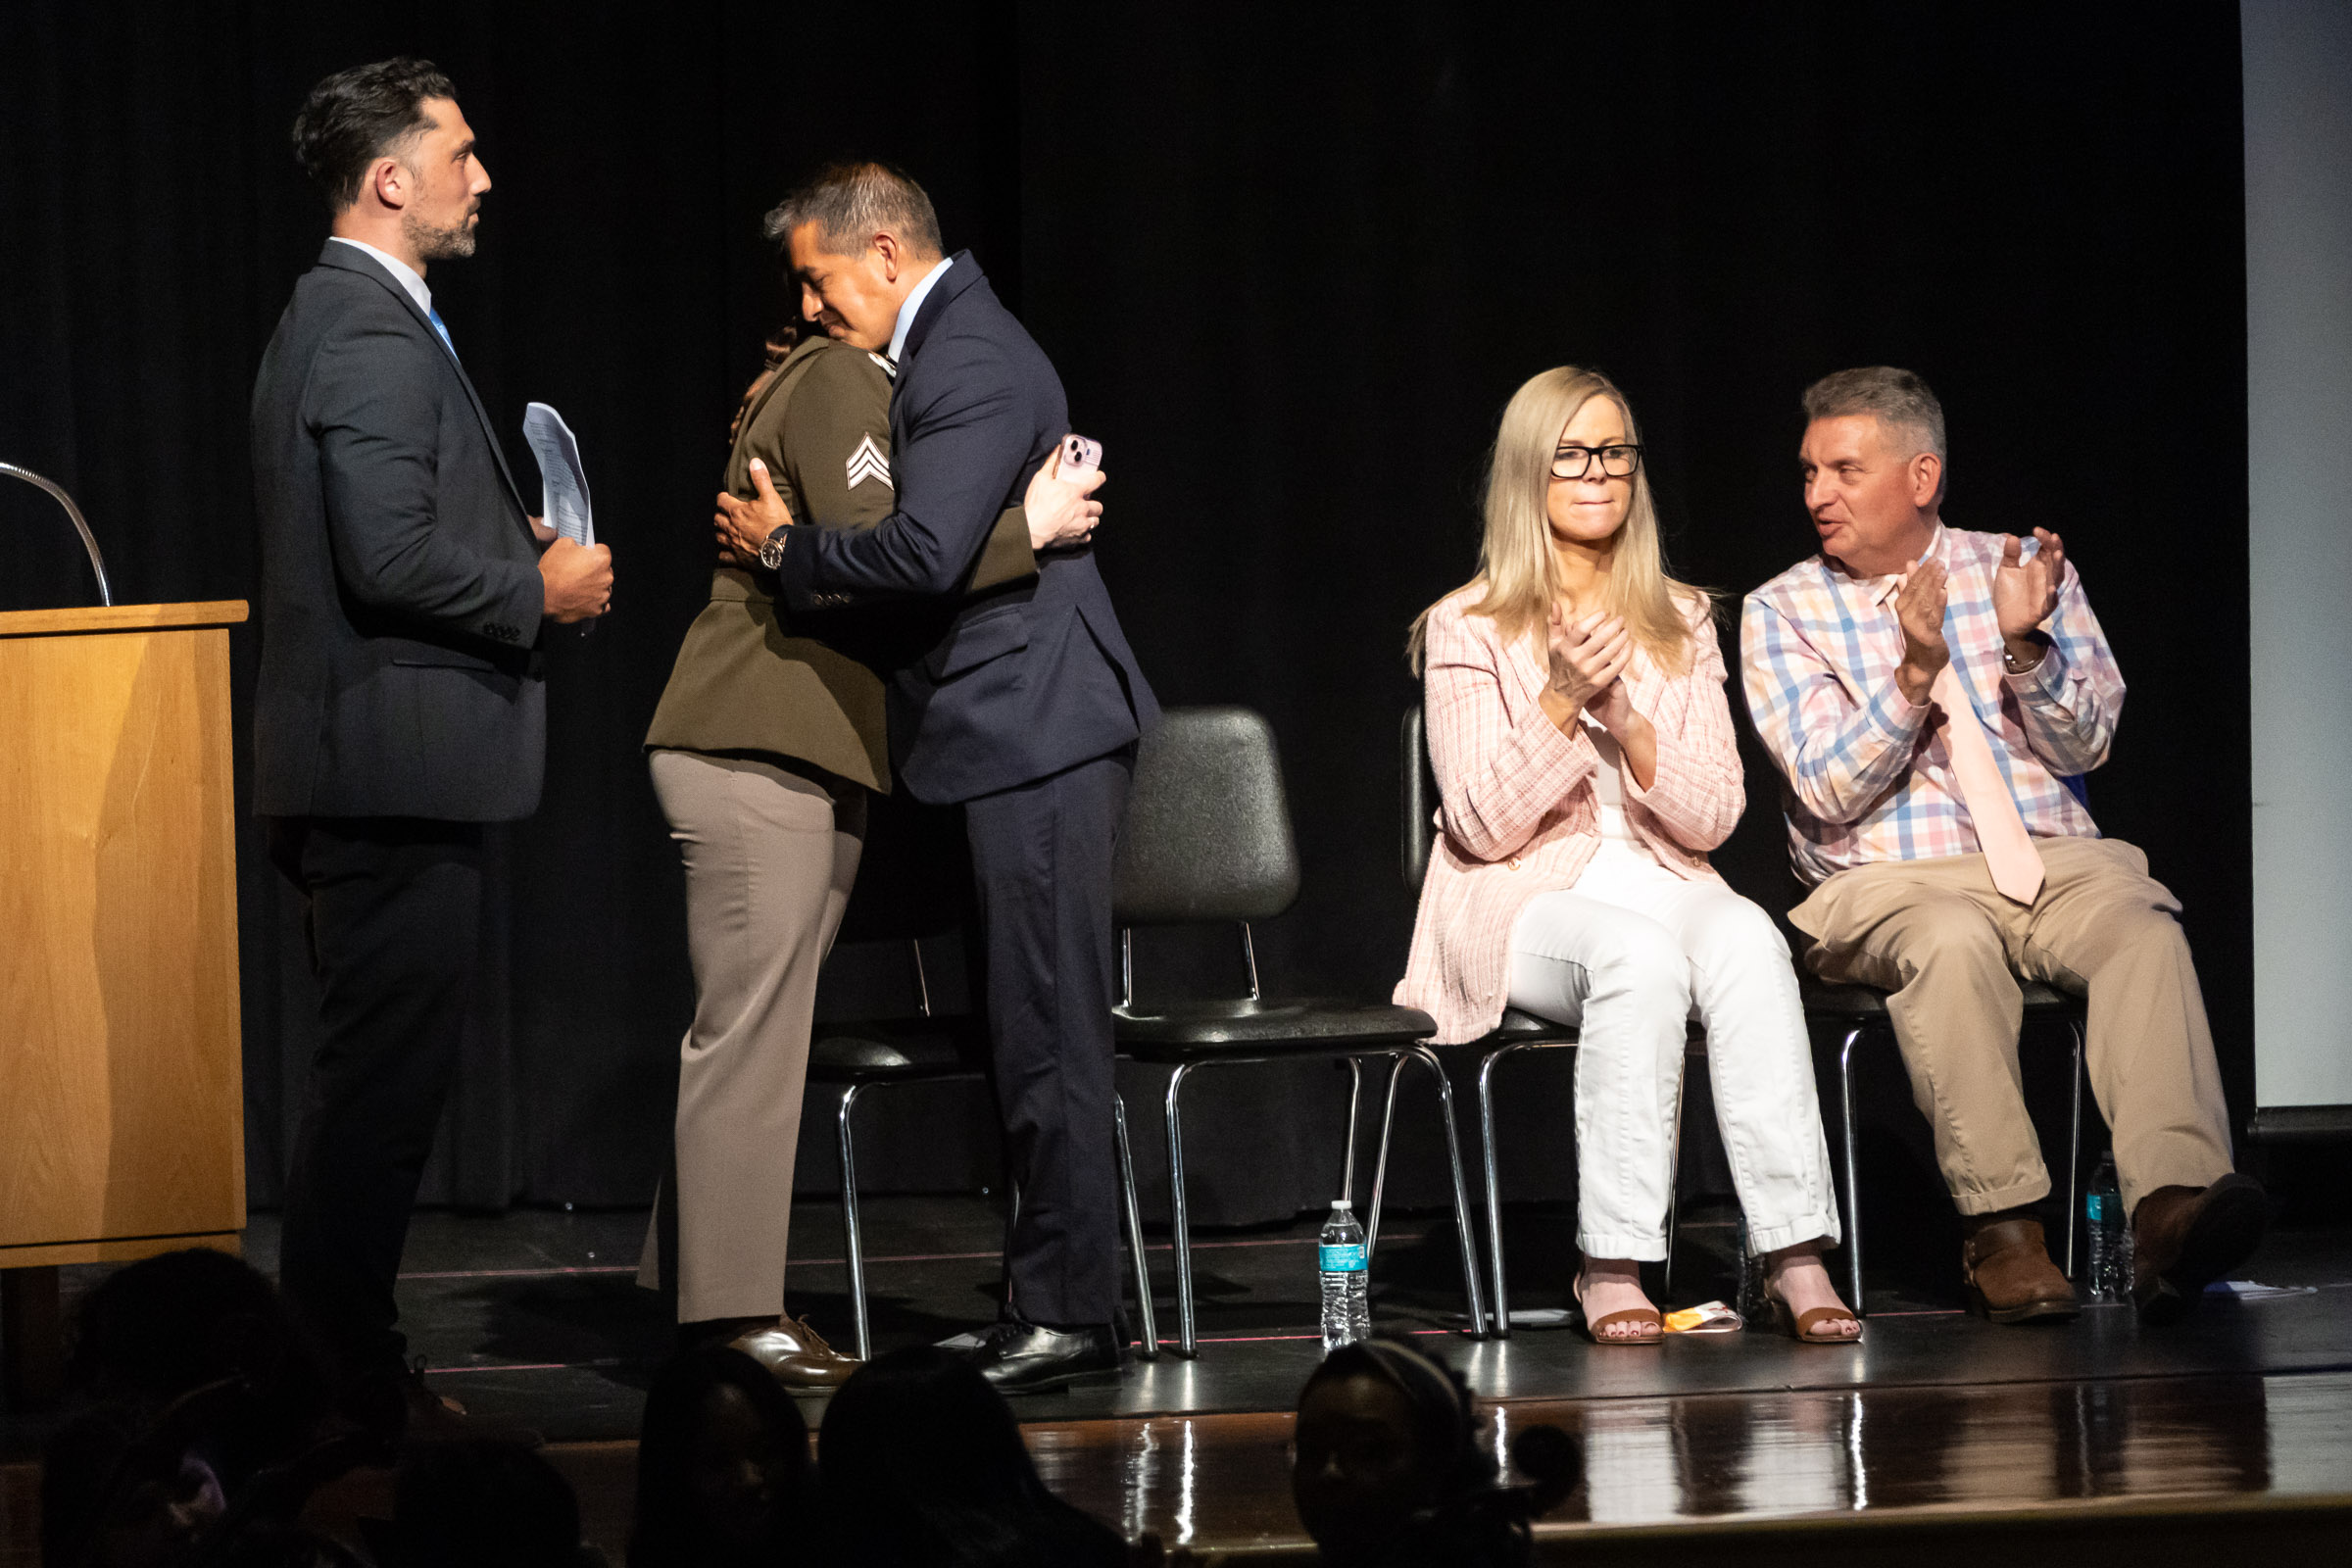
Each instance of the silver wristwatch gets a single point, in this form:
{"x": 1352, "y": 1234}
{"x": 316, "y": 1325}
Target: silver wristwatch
{"x": 771, "y": 549}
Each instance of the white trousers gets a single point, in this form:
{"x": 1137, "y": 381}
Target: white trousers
{"x": 1630, "y": 956}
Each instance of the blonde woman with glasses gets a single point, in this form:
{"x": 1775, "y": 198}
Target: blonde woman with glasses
{"x": 1586, "y": 759}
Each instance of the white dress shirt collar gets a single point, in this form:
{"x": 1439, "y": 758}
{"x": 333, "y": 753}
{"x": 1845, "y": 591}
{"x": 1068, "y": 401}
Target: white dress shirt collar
{"x": 1878, "y": 590}
{"x": 913, "y": 305}
{"x": 401, "y": 273}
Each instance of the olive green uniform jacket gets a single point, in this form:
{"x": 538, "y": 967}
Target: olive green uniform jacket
{"x": 752, "y": 676}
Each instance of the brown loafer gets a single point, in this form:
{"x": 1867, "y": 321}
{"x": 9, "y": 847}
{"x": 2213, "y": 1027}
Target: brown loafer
{"x": 2185, "y": 1238}
{"x": 2010, "y": 1276}
{"x": 796, "y": 1354}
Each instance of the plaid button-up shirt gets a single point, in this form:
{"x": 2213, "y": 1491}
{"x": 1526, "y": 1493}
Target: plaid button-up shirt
{"x": 1867, "y": 774}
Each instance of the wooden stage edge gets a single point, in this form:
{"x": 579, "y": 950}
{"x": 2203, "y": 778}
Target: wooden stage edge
{"x": 2084, "y": 1532}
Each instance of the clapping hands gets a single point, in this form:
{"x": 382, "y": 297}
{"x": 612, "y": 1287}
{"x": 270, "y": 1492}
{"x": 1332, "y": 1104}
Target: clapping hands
{"x": 1919, "y": 608}
{"x": 2025, "y": 590}
{"x": 1589, "y": 655}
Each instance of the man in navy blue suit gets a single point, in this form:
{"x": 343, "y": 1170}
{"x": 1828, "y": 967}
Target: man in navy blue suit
{"x": 1024, "y": 707}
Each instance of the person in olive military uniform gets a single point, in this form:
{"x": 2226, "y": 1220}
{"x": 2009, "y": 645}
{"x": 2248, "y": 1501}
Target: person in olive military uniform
{"x": 765, "y": 747}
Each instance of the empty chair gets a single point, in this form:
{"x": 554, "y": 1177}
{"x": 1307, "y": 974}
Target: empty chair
{"x": 1208, "y": 841}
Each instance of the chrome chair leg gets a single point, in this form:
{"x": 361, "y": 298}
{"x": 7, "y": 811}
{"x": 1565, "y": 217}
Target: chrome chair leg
{"x": 1148, "y": 1348}
{"x": 1501, "y": 1327}
{"x": 1356, "y": 1101}
{"x": 853, "y": 1244}
{"x": 1180, "y": 1231}
{"x": 1853, "y": 1172}
{"x": 1380, "y": 1170}
{"x": 2074, "y": 1157}
{"x": 1674, "y": 1177}
{"x": 1462, "y": 1220}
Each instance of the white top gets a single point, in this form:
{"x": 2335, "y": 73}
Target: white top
{"x": 401, "y": 273}
{"x": 1617, "y": 841}
{"x": 914, "y": 305}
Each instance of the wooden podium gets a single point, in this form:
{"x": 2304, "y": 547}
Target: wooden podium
{"x": 121, "y": 1084}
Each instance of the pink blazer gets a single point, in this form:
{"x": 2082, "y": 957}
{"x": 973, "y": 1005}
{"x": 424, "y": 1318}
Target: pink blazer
{"x": 1519, "y": 815}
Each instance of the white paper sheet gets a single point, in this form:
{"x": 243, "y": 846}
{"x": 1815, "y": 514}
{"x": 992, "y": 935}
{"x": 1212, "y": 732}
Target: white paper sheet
{"x": 563, "y": 484}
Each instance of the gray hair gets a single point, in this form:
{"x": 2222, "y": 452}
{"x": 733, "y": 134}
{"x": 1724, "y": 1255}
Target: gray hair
{"x": 1890, "y": 395}
{"x": 850, "y": 203}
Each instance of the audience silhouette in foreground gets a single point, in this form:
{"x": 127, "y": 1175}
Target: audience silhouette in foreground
{"x": 200, "y": 1435}
{"x": 722, "y": 1467}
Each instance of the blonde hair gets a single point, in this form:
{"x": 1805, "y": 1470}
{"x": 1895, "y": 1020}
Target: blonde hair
{"x": 1515, "y": 562}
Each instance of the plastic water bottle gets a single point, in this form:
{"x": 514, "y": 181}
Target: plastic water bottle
{"x": 1347, "y": 1309}
{"x": 2110, "y": 1237}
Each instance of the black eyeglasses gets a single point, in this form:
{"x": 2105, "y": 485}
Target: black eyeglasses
{"x": 1617, "y": 462}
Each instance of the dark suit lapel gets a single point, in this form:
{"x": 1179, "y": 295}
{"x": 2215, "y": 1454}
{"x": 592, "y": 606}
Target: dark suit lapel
{"x": 963, "y": 272}
{"x": 353, "y": 260}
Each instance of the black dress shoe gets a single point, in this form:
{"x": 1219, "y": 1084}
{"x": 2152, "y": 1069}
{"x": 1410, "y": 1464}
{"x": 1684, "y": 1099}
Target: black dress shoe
{"x": 398, "y": 1405}
{"x": 1020, "y": 1357}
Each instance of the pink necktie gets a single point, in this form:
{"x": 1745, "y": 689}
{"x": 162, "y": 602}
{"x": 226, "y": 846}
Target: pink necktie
{"x": 2009, "y": 852}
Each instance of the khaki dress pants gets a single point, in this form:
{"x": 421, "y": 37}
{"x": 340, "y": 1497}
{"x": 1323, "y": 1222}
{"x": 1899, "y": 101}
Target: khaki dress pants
{"x": 1948, "y": 947}
{"x": 770, "y": 857}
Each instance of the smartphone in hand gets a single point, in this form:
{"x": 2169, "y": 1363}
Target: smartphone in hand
{"x": 1079, "y": 455}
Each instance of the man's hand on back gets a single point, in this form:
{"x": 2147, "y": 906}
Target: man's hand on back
{"x": 743, "y": 526}
{"x": 1920, "y": 609}
{"x": 1061, "y": 512}
{"x": 577, "y": 580}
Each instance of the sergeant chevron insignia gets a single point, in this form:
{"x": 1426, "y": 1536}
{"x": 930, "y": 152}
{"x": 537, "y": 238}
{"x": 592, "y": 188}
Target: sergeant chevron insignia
{"x": 868, "y": 462}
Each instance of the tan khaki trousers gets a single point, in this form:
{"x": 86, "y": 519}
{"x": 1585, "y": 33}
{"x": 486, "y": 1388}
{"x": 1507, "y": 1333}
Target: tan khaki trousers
{"x": 1937, "y": 935}
{"x": 769, "y": 857}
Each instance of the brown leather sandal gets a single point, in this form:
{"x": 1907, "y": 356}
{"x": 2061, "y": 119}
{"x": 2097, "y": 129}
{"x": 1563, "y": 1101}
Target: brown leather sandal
{"x": 1597, "y": 1331}
{"x": 1803, "y": 1325}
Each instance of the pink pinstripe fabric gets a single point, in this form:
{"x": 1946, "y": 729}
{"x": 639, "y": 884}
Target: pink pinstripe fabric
{"x": 1519, "y": 816}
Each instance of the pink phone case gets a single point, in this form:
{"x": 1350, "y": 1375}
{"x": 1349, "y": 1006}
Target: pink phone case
{"x": 1079, "y": 454}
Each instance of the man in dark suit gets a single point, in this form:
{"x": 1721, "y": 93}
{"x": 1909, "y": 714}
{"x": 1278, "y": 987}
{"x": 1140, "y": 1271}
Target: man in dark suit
{"x": 400, "y": 704}
{"x": 1025, "y": 710}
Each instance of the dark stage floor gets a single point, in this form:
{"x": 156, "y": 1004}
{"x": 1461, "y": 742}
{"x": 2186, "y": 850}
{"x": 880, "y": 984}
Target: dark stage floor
{"x": 537, "y": 1315}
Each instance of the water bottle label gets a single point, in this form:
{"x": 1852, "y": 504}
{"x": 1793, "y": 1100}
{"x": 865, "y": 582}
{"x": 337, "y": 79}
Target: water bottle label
{"x": 1348, "y": 1258}
{"x": 2095, "y": 1207}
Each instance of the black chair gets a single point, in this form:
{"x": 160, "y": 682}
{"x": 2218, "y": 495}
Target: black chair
{"x": 1209, "y": 840}
{"x": 1416, "y": 839}
{"x": 914, "y": 885}
{"x": 1861, "y": 1011}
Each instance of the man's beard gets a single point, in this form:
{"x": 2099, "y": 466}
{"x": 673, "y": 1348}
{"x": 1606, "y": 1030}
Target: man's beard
{"x": 437, "y": 244}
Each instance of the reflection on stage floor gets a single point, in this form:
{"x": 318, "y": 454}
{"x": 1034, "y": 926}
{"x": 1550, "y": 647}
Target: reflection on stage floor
{"x": 1940, "y": 1424}
{"x": 1222, "y": 1480}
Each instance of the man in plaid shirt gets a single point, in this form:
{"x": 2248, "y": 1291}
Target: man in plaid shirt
{"x": 1928, "y": 695}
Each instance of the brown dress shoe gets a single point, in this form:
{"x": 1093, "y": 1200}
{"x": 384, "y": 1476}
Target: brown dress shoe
{"x": 2185, "y": 1238}
{"x": 796, "y": 1354}
{"x": 2010, "y": 1276}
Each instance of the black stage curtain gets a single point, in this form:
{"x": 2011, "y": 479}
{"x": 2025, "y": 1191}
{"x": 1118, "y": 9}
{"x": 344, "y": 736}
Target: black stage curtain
{"x": 1291, "y": 263}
